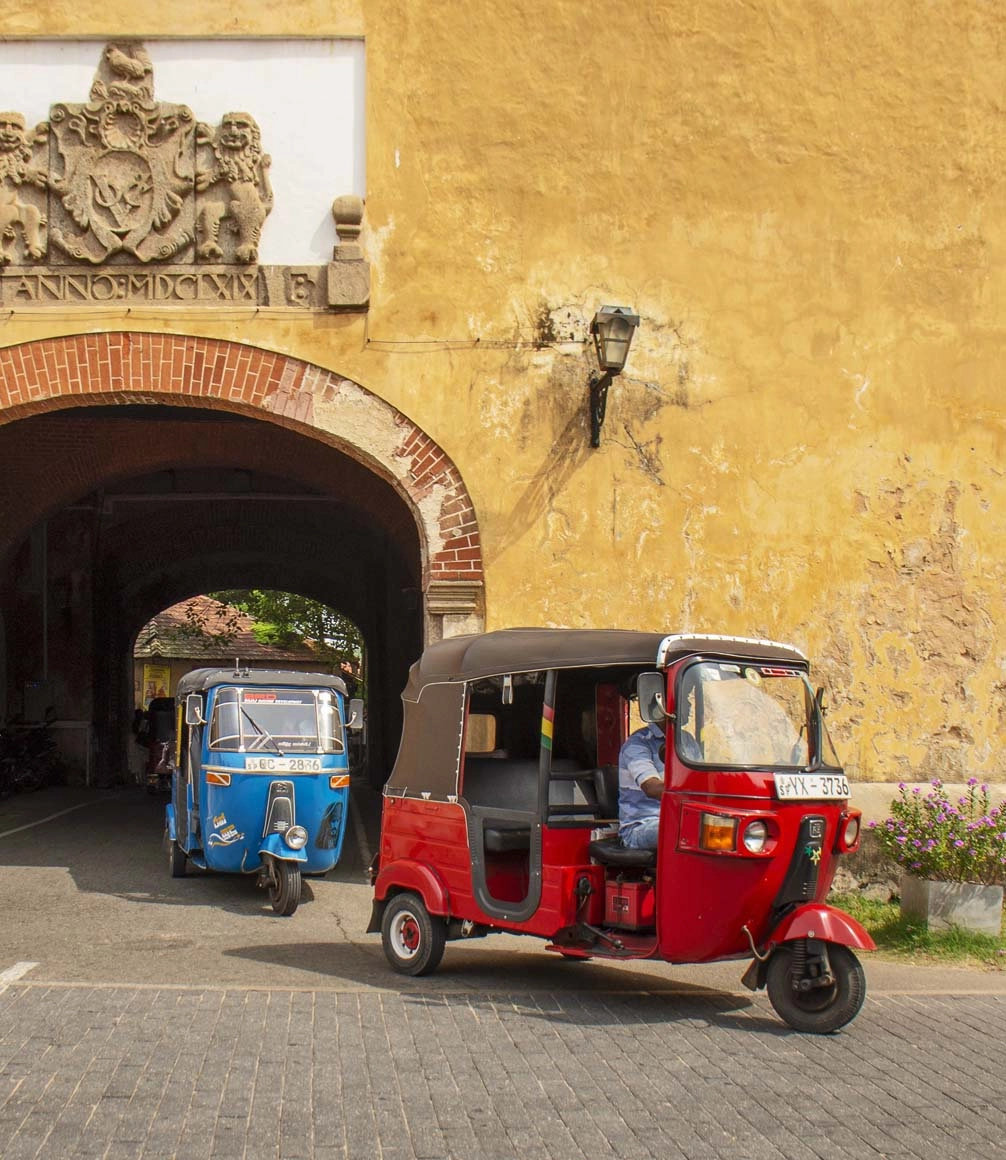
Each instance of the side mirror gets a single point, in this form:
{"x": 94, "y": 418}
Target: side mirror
{"x": 194, "y": 710}
{"x": 650, "y": 688}
{"x": 355, "y": 721}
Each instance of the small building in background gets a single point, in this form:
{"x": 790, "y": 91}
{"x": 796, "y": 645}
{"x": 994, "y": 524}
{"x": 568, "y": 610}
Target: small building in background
{"x": 205, "y": 633}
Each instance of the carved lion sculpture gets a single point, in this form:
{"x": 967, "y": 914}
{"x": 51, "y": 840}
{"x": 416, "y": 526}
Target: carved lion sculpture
{"x": 235, "y": 188}
{"x": 16, "y": 169}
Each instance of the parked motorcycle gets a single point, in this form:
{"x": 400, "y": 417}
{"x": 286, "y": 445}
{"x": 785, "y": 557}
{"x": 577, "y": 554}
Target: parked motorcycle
{"x": 28, "y": 757}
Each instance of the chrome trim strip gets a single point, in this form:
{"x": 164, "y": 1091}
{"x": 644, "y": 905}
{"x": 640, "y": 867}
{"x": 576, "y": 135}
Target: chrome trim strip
{"x": 737, "y": 797}
{"x": 328, "y": 772}
{"x": 750, "y": 797}
{"x": 667, "y": 643}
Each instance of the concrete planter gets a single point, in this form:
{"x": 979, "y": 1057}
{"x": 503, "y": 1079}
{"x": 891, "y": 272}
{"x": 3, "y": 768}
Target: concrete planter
{"x": 942, "y": 905}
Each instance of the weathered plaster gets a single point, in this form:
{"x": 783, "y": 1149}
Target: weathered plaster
{"x": 809, "y": 214}
{"x": 183, "y": 18}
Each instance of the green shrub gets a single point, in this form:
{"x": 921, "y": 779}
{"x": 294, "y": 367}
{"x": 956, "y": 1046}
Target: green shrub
{"x": 933, "y": 837}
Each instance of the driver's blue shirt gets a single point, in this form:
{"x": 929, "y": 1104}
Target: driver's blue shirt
{"x": 638, "y": 760}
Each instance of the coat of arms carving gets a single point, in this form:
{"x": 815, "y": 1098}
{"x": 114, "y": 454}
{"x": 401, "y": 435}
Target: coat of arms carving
{"x": 124, "y": 198}
{"x": 126, "y": 178}
{"x": 122, "y": 167}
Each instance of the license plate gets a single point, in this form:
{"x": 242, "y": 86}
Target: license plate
{"x": 283, "y": 764}
{"x": 811, "y": 786}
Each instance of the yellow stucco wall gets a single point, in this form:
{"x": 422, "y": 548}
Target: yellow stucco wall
{"x": 805, "y": 203}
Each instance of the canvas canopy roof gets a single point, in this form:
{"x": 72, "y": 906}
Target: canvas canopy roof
{"x": 199, "y": 680}
{"x": 434, "y": 698}
{"x": 526, "y": 650}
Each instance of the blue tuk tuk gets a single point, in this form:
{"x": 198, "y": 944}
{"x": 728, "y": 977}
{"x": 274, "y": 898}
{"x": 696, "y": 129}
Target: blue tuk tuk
{"x": 261, "y": 779}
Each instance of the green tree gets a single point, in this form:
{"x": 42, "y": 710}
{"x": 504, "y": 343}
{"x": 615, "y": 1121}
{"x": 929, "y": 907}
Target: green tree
{"x": 288, "y": 620}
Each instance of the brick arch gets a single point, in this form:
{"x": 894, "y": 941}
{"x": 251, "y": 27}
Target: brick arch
{"x": 129, "y": 367}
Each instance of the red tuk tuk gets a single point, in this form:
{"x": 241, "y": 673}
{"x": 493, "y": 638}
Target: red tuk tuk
{"x": 501, "y": 812}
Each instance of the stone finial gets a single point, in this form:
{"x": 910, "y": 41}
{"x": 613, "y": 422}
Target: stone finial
{"x": 348, "y": 214}
{"x": 348, "y": 273}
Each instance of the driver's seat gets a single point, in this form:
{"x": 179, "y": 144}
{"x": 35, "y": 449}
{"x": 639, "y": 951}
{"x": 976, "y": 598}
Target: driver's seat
{"x": 611, "y": 852}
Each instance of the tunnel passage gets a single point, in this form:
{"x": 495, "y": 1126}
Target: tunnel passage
{"x": 112, "y": 513}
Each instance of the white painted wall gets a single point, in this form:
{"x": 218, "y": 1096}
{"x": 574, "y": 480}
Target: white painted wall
{"x": 306, "y": 95}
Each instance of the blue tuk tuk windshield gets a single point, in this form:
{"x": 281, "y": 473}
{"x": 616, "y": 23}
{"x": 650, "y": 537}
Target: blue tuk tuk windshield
{"x": 750, "y": 715}
{"x": 276, "y": 720}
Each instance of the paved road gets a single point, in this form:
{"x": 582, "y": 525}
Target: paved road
{"x": 180, "y": 1018}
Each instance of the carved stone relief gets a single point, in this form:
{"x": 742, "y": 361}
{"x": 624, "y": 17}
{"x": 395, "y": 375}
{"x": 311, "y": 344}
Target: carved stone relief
{"x": 23, "y": 184}
{"x": 169, "y": 209}
{"x": 121, "y": 169}
{"x": 233, "y": 187}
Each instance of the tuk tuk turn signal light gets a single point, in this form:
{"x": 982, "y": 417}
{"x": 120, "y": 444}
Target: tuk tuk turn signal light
{"x": 718, "y": 833}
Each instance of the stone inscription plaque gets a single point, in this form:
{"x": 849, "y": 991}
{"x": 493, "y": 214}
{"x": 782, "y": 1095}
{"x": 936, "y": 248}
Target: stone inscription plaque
{"x": 299, "y": 287}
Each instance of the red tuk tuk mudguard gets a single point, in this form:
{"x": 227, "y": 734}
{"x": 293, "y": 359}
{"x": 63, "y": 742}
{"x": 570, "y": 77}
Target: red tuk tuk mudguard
{"x": 816, "y": 920}
{"x": 406, "y": 874}
{"x": 813, "y": 921}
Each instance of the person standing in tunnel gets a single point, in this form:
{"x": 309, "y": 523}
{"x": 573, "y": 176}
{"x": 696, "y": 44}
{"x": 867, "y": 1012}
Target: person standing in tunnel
{"x": 346, "y": 672}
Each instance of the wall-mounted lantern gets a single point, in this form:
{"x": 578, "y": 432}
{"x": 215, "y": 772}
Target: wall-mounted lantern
{"x": 612, "y": 329}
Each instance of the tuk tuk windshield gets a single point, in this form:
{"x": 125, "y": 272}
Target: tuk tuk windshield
{"x": 275, "y": 720}
{"x": 731, "y": 713}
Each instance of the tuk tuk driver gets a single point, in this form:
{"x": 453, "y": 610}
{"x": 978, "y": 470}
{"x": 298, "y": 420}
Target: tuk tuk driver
{"x": 641, "y": 778}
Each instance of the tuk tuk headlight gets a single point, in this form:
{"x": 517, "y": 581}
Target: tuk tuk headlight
{"x": 718, "y": 832}
{"x": 296, "y": 837}
{"x": 755, "y": 837}
{"x": 848, "y": 832}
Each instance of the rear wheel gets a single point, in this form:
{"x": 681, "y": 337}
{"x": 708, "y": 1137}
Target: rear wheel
{"x": 413, "y": 940}
{"x": 284, "y": 886}
{"x": 817, "y": 1009}
{"x": 29, "y": 777}
{"x": 176, "y": 859}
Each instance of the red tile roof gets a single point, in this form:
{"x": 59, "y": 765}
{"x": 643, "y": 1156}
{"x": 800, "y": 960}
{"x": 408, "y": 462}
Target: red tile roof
{"x": 226, "y": 634}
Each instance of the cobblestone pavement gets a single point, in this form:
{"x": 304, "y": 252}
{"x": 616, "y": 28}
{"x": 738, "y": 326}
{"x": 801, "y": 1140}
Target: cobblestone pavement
{"x": 146, "y": 1016}
{"x": 192, "y": 1072}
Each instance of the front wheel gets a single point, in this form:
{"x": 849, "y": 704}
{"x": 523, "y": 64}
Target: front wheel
{"x": 817, "y": 1009}
{"x": 284, "y": 886}
{"x": 413, "y": 941}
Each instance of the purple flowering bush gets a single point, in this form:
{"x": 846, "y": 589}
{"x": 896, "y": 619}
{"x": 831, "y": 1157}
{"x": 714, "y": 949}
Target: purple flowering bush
{"x": 943, "y": 840}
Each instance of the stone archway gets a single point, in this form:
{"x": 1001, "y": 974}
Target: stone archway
{"x": 131, "y": 367}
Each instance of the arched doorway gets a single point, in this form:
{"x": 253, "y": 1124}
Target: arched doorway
{"x": 138, "y": 470}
